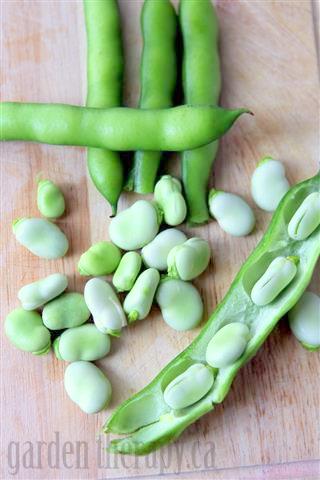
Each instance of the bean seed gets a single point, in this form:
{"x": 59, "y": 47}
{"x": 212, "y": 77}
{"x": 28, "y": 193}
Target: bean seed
{"x": 227, "y": 345}
{"x": 41, "y": 237}
{"x": 87, "y": 386}
{"x": 306, "y": 219}
{"x": 278, "y": 275}
{"x": 189, "y": 387}
{"x": 36, "y": 294}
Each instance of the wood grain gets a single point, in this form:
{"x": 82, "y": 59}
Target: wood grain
{"x": 267, "y": 427}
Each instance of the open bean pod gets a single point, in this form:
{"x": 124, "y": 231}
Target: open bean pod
{"x": 148, "y": 419}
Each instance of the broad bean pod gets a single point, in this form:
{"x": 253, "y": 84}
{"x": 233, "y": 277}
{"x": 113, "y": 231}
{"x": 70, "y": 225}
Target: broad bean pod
{"x": 158, "y": 73}
{"x": 119, "y": 128}
{"x": 201, "y": 79}
{"x": 104, "y": 80}
{"x": 146, "y": 417}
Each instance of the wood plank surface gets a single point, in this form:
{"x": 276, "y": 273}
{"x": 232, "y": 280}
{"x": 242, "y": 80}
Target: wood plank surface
{"x": 267, "y": 428}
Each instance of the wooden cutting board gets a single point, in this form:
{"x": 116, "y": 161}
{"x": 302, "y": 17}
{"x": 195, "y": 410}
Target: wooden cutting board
{"x": 267, "y": 427}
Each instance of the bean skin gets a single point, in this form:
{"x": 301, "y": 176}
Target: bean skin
{"x": 120, "y": 128}
{"x": 104, "y": 78}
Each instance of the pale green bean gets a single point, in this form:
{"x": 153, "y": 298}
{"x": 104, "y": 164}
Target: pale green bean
{"x": 138, "y": 302}
{"x": 188, "y": 260}
{"x": 82, "y": 343}
{"x": 102, "y": 258}
{"x": 87, "y": 386}
{"x": 180, "y": 304}
{"x": 41, "y": 237}
{"x": 26, "y": 331}
{"x": 278, "y": 275}
{"x": 306, "y": 218}
{"x": 155, "y": 254}
{"x": 36, "y": 294}
{"x": 50, "y": 199}
{"x": 127, "y": 271}
{"x": 304, "y": 320}
{"x": 227, "y": 345}
{"x": 136, "y": 226}
{"x": 189, "y": 387}
{"x": 68, "y": 310}
{"x": 105, "y": 307}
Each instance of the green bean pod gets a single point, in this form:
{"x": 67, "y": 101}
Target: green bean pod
{"x": 201, "y": 85}
{"x": 158, "y": 78}
{"x": 119, "y": 128}
{"x": 104, "y": 77}
{"x": 146, "y": 417}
